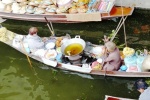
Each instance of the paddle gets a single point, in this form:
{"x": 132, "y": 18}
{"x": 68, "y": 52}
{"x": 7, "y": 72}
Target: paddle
{"x": 25, "y": 52}
{"x": 50, "y": 26}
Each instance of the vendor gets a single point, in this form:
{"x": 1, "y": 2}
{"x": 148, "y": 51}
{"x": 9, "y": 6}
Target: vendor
{"x": 113, "y": 60}
{"x": 143, "y": 88}
{"x": 33, "y": 40}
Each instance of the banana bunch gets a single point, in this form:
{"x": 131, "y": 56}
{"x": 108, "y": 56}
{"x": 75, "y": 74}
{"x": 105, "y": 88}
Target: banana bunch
{"x": 127, "y": 51}
{"x": 6, "y": 35}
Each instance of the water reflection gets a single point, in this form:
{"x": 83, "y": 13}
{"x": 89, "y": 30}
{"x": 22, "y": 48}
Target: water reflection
{"x": 18, "y": 80}
{"x": 14, "y": 86}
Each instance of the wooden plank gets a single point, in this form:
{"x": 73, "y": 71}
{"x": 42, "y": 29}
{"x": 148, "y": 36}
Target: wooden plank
{"x": 84, "y": 17}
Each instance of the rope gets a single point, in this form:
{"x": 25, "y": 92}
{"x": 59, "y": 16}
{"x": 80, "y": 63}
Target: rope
{"x": 118, "y": 28}
{"x": 119, "y": 23}
{"x": 51, "y": 29}
{"x": 125, "y": 37}
{"x": 122, "y": 20}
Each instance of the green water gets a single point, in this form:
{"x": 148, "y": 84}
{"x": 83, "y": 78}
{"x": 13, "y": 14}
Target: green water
{"x": 19, "y": 82}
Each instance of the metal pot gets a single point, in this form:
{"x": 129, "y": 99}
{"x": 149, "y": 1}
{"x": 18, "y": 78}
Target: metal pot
{"x": 72, "y": 47}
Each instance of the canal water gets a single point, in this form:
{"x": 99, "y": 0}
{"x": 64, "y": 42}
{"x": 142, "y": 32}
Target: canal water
{"x": 19, "y": 81}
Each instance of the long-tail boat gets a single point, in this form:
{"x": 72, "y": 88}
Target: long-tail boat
{"x": 13, "y": 39}
{"x": 15, "y": 12}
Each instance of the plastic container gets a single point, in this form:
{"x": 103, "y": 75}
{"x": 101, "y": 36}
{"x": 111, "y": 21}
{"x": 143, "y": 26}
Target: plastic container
{"x": 26, "y": 46}
{"x": 123, "y": 68}
{"x": 140, "y": 58}
{"x": 132, "y": 60}
{"x": 64, "y": 3}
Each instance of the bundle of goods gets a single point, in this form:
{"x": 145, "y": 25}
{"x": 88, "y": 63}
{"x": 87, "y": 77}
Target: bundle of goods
{"x": 133, "y": 60}
{"x": 55, "y": 6}
{"x": 5, "y": 34}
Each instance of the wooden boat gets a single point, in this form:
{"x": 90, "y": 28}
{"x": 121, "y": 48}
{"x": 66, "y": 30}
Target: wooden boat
{"x": 107, "y": 97}
{"x": 74, "y": 68}
{"x": 71, "y": 18}
{"x": 140, "y": 4}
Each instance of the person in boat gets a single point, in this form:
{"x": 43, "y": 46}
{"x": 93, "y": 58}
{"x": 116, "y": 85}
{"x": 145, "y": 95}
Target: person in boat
{"x": 33, "y": 40}
{"x": 112, "y": 61}
{"x": 143, "y": 88}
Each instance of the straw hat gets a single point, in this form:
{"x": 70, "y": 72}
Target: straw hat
{"x": 33, "y": 30}
{"x": 42, "y": 6}
{"x": 23, "y": 3}
{"x": 110, "y": 46}
{"x": 15, "y": 7}
{"x": 39, "y": 10}
{"x": 8, "y": 8}
{"x": 7, "y": 1}
{"x": 47, "y": 2}
{"x": 22, "y": 9}
{"x": 51, "y": 9}
{"x": 64, "y": 3}
{"x": 30, "y": 9}
{"x": 21, "y": 0}
{"x": 2, "y": 20}
{"x": 32, "y": 3}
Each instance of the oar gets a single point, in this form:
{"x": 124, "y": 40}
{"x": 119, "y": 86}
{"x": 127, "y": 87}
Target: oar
{"x": 50, "y": 26}
{"x": 25, "y": 52}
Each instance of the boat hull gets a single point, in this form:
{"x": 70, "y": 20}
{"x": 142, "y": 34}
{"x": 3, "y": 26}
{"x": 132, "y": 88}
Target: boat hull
{"x": 107, "y": 97}
{"x": 68, "y": 18}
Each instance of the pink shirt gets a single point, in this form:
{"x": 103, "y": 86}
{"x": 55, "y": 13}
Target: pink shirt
{"x": 113, "y": 60}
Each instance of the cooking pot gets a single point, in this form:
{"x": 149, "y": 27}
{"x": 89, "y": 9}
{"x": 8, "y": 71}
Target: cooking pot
{"x": 72, "y": 47}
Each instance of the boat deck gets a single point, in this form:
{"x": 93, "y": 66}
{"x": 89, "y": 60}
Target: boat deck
{"x": 118, "y": 11}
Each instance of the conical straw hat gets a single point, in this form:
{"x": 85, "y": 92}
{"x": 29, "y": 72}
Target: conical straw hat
{"x": 8, "y": 8}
